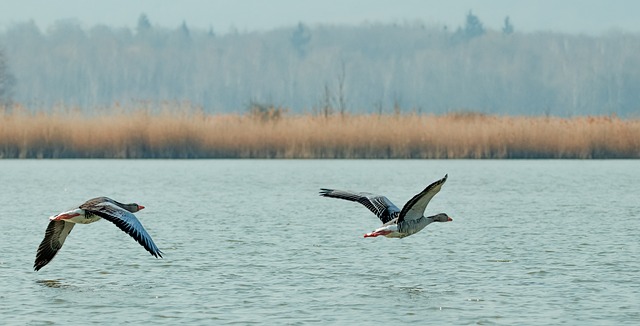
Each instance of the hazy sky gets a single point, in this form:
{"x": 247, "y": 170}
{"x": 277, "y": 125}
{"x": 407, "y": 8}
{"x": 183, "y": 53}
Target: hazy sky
{"x": 574, "y": 16}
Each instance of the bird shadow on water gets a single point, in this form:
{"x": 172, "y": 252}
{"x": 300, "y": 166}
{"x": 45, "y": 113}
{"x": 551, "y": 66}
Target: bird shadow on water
{"x": 55, "y": 284}
{"x": 412, "y": 291}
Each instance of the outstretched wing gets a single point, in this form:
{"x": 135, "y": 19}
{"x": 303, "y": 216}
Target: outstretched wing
{"x": 414, "y": 208}
{"x": 127, "y": 222}
{"x": 379, "y": 205}
{"x": 54, "y": 237}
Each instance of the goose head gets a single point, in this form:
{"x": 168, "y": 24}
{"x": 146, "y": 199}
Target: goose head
{"x": 442, "y": 217}
{"x": 133, "y": 207}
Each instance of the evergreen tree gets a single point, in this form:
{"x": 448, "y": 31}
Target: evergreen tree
{"x": 473, "y": 27}
{"x": 144, "y": 24}
{"x": 507, "y": 29}
{"x": 184, "y": 30}
{"x": 300, "y": 39}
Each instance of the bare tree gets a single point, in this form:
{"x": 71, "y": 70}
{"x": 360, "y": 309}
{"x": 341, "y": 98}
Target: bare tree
{"x": 342, "y": 101}
{"x": 7, "y": 81}
{"x": 327, "y": 107}
{"x": 525, "y": 73}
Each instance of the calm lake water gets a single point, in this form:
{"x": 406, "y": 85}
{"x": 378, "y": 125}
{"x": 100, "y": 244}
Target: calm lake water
{"x": 250, "y": 241}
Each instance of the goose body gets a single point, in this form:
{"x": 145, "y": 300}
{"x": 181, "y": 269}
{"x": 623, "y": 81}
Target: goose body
{"x": 397, "y": 223}
{"x": 60, "y": 225}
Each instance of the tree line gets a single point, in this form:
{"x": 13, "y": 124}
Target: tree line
{"x": 371, "y": 67}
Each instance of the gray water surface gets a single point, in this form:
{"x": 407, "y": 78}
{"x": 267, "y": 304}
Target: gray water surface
{"x": 250, "y": 241}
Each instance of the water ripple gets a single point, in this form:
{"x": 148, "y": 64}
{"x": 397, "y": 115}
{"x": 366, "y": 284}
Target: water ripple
{"x": 256, "y": 245}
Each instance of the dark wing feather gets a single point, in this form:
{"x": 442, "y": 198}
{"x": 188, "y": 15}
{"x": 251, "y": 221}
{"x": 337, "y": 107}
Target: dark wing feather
{"x": 127, "y": 222}
{"x": 379, "y": 205}
{"x": 414, "y": 208}
{"x": 54, "y": 237}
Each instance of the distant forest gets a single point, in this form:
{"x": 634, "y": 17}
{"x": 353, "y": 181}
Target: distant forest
{"x": 371, "y": 67}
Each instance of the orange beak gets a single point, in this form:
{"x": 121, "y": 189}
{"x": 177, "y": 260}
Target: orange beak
{"x": 140, "y": 207}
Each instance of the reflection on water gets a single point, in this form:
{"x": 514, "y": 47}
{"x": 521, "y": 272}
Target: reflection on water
{"x": 413, "y": 291}
{"x": 52, "y": 283}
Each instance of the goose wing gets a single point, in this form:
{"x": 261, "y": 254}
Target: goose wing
{"x": 54, "y": 237}
{"x": 379, "y": 205}
{"x": 126, "y": 221}
{"x": 414, "y": 208}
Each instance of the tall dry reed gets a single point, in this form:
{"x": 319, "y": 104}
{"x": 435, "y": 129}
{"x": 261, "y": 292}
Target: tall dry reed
{"x": 192, "y": 134}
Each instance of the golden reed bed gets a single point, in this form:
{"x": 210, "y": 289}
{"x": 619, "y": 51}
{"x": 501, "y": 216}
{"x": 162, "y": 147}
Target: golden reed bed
{"x": 188, "y": 134}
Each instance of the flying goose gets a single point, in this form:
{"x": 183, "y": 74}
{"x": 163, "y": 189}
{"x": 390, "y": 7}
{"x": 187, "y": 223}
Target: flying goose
{"x": 91, "y": 211}
{"x": 396, "y": 223}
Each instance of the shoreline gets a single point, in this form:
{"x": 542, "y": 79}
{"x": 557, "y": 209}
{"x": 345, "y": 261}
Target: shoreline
{"x": 189, "y": 134}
